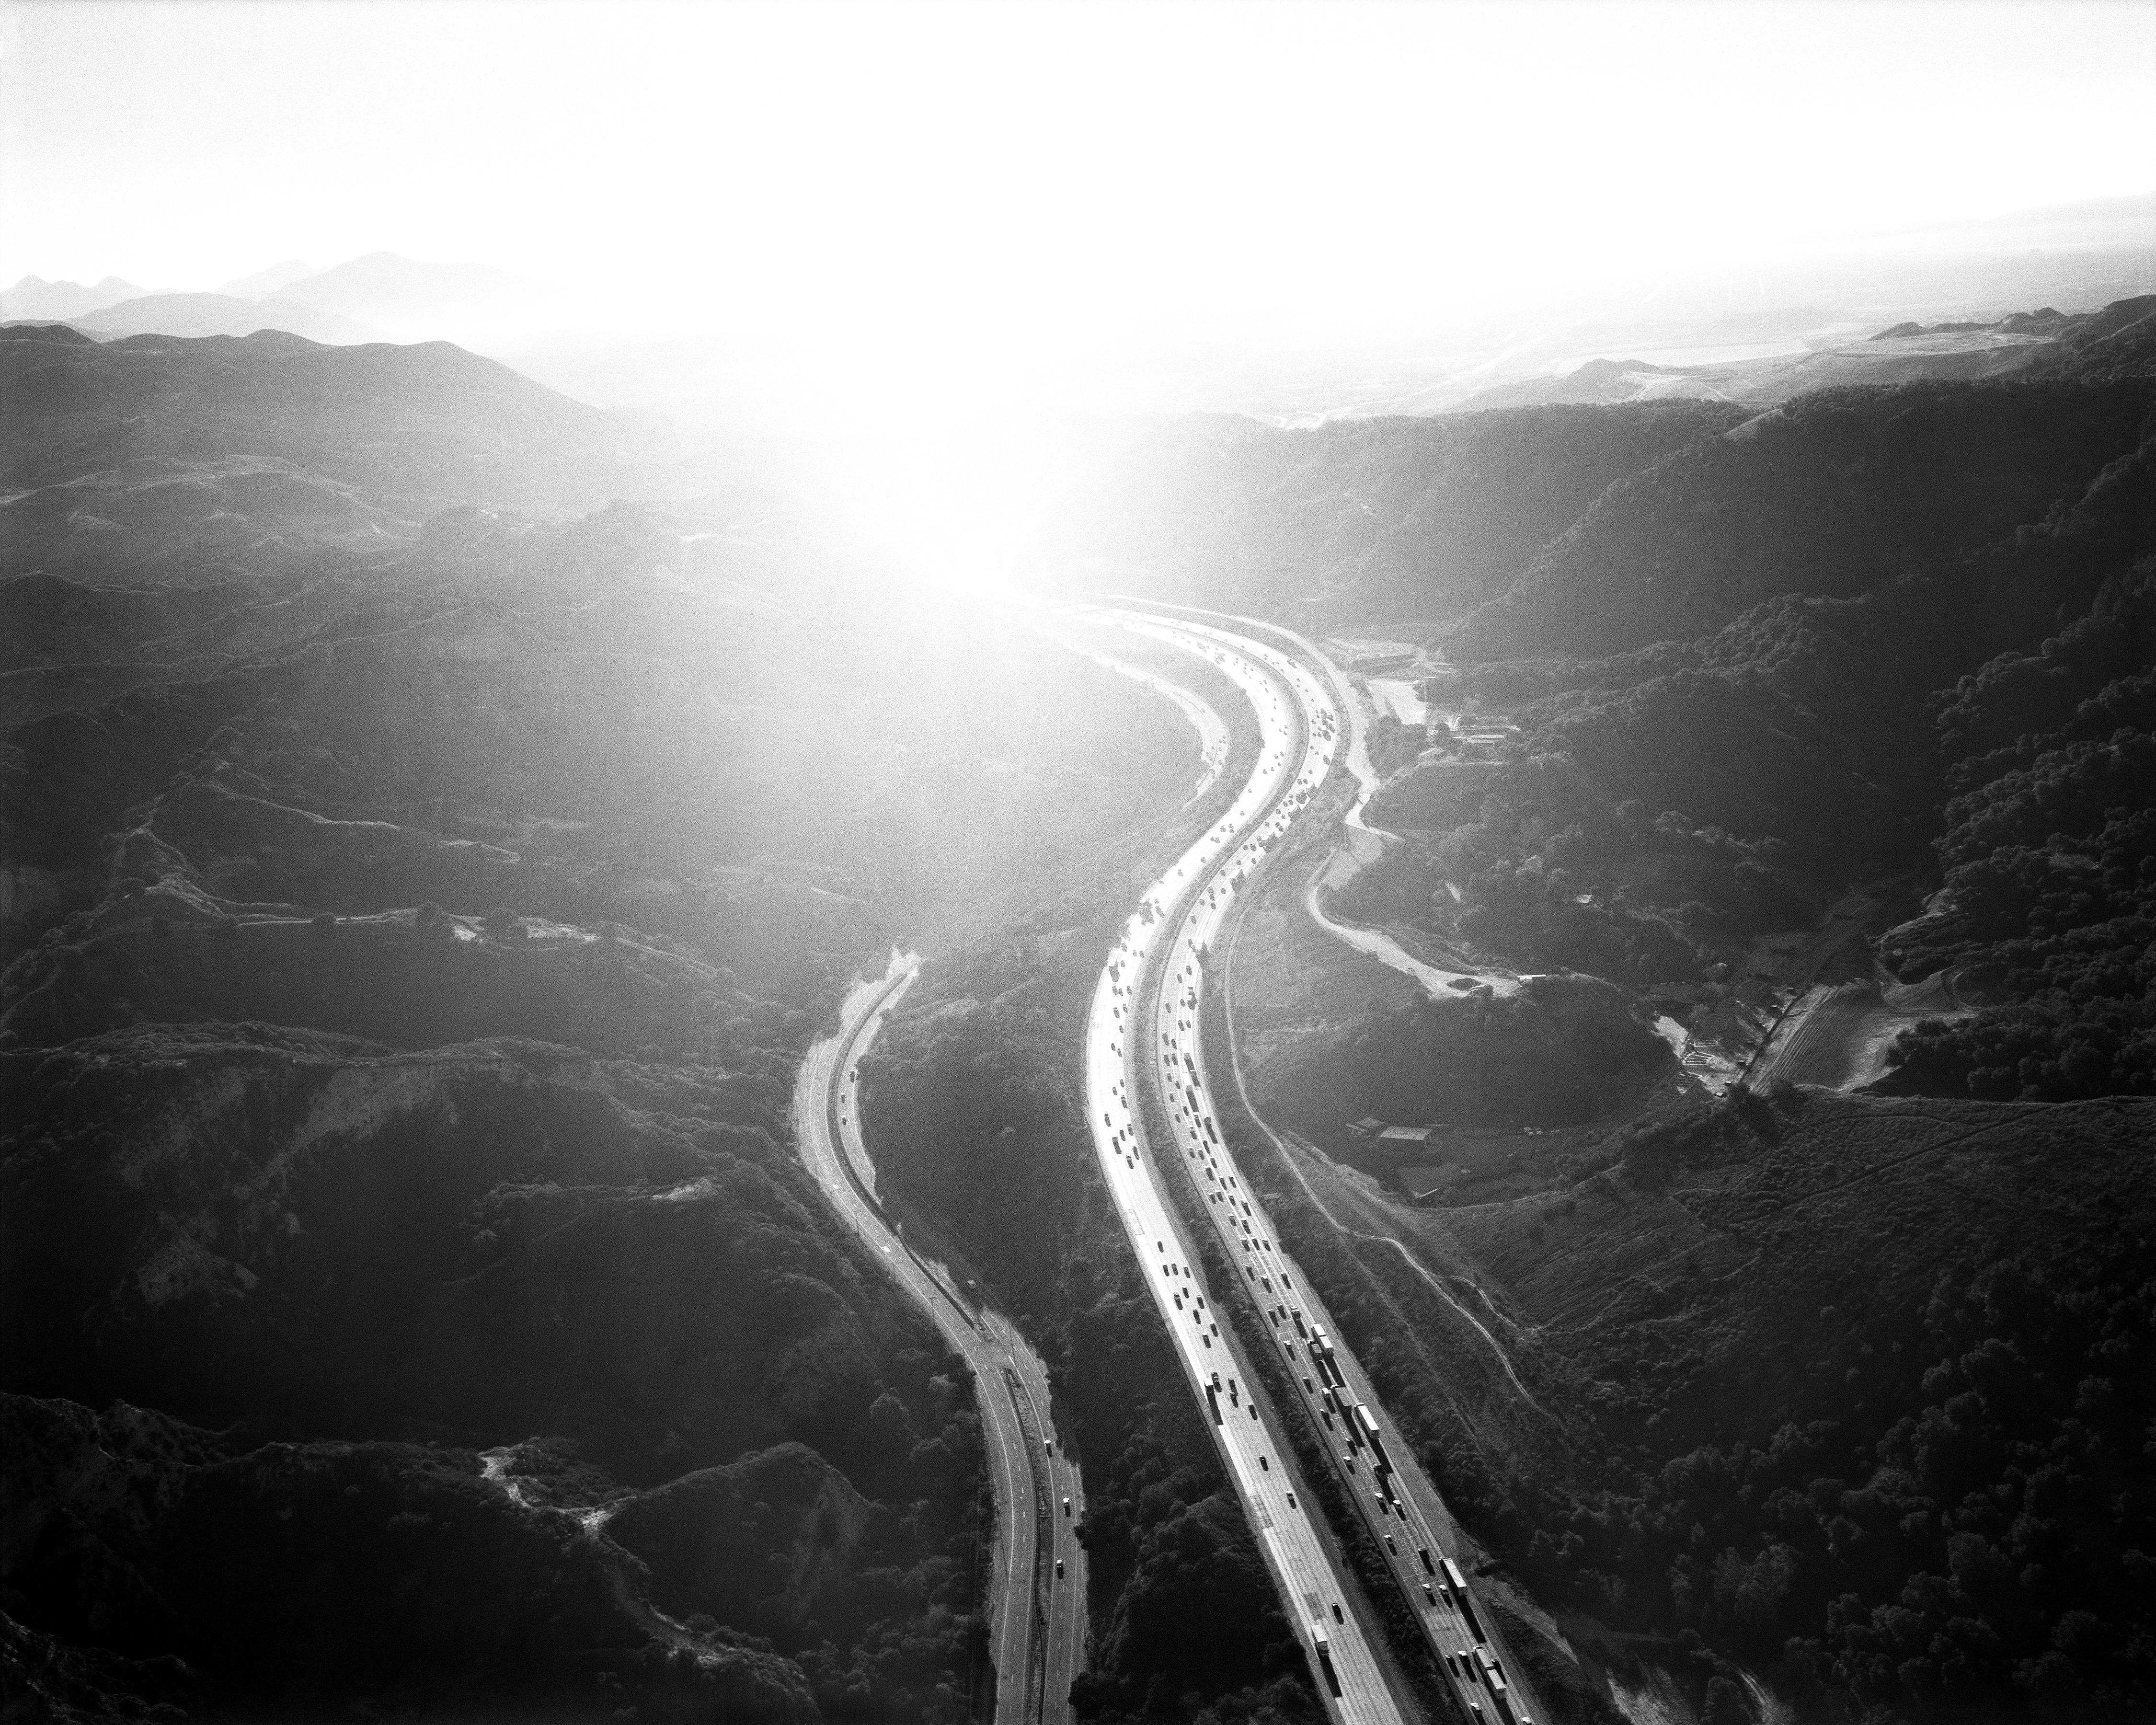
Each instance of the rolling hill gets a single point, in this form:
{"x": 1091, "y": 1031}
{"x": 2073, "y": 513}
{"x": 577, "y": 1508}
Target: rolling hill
{"x": 219, "y": 314}
{"x": 414, "y": 429}
{"x": 36, "y": 300}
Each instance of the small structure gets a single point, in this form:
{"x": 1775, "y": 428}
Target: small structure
{"x": 1405, "y": 1138}
{"x": 1365, "y": 1129}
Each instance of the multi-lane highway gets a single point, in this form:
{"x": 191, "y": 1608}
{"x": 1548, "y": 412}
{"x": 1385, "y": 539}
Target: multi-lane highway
{"x": 1144, "y": 1030}
{"x": 1304, "y": 1564}
{"x": 1037, "y": 1587}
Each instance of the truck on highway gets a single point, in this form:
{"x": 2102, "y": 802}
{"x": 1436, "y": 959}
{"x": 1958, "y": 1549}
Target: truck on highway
{"x": 1323, "y": 1647}
{"x": 1366, "y": 1423}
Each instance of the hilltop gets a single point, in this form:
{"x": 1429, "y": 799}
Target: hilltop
{"x": 415, "y": 428}
{"x": 2021, "y": 342}
{"x": 219, "y": 314}
{"x": 37, "y": 299}
{"x": 379, "y": 296}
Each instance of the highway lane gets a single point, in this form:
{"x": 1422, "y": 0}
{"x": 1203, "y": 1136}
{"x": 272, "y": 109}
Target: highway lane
{"x": 1037, "y": 1618}
{"x": 1287, "y": 1527}
{"x": 1401, "y": 1510}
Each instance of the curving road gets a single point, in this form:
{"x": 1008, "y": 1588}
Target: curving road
{"x": 1145, "y": 1018}
{"x": 1119, "y": 1044}
{"x": 1037, "y": 1618}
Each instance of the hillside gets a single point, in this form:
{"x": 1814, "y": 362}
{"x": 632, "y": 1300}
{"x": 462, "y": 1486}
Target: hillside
{"x": 1374, "y": 519}
{"x": 415, "y": 429}
{"x": 357, "y": 1266}
{"x": 1875, "y": 655}
{"x": 1838, "y": 1391}
{"x": 414, "y": 911}
{"x": 1615, "y": 519}
{"x": 219, "y": 314}
{"x": 413, "y": 300}
{"x": 1833, "y": 494}
{"x": 1839, "y": 1394}
{"x": 2024, "y": 342}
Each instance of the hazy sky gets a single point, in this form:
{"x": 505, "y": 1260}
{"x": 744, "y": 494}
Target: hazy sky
{"x": 1019, "y": 166}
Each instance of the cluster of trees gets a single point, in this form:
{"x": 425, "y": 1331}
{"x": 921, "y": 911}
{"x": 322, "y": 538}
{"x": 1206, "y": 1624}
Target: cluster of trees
{"x": 2048, "y": 905}
{"x": 1835, "y": 494}
{"x": 1558, "y": 1052}
{"x": 1546, "y": 871}
{"x": 475, "y": 1256}
{"x": 1969, "y": 1538}
{"x": 1861, "y": 727}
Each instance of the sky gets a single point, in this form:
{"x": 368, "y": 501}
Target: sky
{"x": 1007, "y": 173}
{"x": 937, "y": 213}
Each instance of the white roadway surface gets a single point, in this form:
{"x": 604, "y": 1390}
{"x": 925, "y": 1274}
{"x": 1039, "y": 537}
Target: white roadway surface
{"x": 826, "y": 1089}
{"x": 1200, "y": 891}
{"x": 1287, "y": 1532}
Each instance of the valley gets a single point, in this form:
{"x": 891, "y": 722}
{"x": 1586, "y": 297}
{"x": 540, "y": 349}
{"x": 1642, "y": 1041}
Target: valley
{"x": 1518, "y": 1079}
{"x": 1052, "y": 864}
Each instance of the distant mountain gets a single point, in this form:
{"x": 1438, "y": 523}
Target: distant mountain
{"x": 1833, "y": 494}
{"x": 1597, "y": 381}
{"x": 412, "y": 428}
{"x": 2044, "y": 341}
{"x": 415, "y": 301}
{"x": 221, "y": 315}
{"x": 35, "y": 297}
{"x": 265, "y": 282}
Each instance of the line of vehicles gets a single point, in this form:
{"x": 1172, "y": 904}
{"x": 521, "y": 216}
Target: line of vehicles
{"x": 1040, "y": 1644}
{"x": 1288, "y": 1531}
{"x": 1448, "y": 1615}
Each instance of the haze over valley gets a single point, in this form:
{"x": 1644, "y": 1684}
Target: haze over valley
{"x": 1059, "y": 864}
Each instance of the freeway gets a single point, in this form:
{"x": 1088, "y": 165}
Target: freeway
{"x": 1299, "y": 722}
{"x": 1037, "y": 1584}
{"x": 1304, "y": 1565}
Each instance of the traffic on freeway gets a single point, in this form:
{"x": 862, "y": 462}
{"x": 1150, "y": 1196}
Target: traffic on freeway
{"x": 1037, "y": 1586}
{"x": 1395, "y": 1500}
{"x": 1301, "y": 1559}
